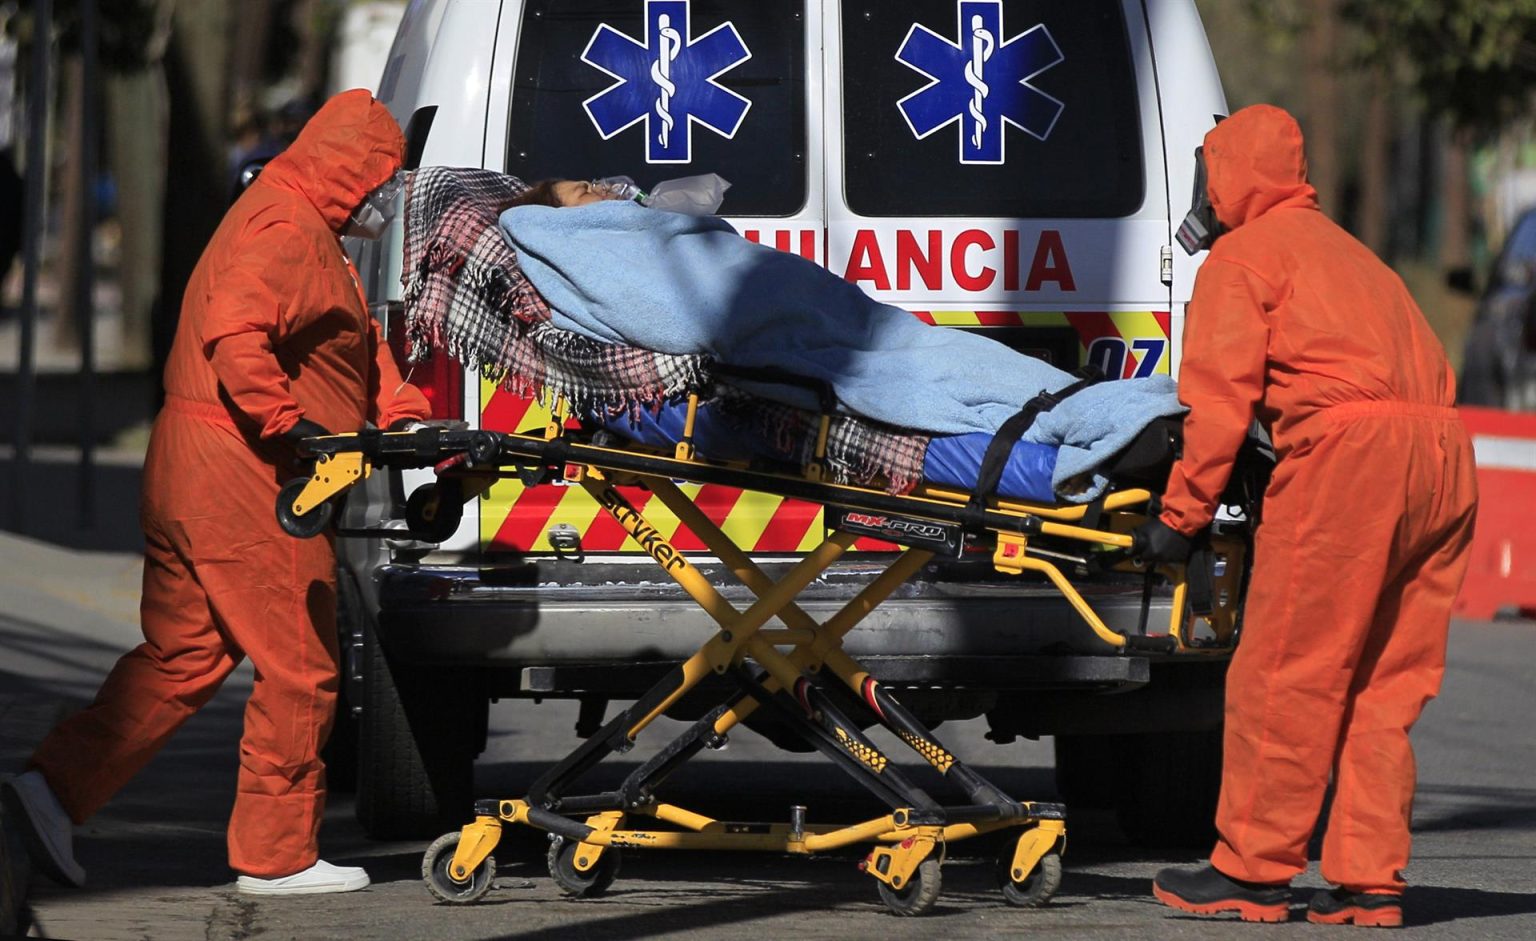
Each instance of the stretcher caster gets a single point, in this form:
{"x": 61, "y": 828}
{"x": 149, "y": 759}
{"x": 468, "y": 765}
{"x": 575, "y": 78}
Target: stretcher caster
{"x": 1037, "y": 887}
{"x": 918, "y": 895}
{"x": 577, "y": 883}
{"x": 303, "y": 525}
{"x": 437, "y": 862}
{"x": 434, "y": 511}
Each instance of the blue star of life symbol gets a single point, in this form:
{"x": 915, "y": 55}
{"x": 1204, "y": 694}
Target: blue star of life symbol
{"x": 980, "y": 82}
{"x": 667, "y": 81}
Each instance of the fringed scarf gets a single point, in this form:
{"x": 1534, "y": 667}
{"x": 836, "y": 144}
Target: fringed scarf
{"x": 466, "y": 295}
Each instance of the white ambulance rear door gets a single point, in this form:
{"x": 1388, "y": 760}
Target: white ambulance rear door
{"x": 1000, "y": 166}
{"x": 653, "y": 90}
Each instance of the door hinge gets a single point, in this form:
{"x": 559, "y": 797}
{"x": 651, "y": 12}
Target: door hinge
{"x": 1166, "y": 264}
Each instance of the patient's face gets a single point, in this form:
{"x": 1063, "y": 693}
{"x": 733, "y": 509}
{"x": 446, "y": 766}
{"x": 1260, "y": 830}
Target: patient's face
{"x": 578, "y": 193}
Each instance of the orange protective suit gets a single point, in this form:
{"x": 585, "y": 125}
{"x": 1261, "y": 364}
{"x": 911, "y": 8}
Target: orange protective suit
{"x": 1367, "y": 518}
{"x": 273, "y": 328}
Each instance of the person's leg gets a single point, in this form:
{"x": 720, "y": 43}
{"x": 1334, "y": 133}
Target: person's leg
{"x": 1367, "y": 843}
{"x": 1309, "y": 608}
{"x": 1318, "y": 568}
{"x": 277, "y": 598}
{"x": 150, "y": 692}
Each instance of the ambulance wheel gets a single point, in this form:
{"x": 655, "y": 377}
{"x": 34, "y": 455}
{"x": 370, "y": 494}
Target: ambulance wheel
{"x": 304, "y": 525}
{"x": 918, "y": 895}
{"x": 1038, "y": 887}
{"x": 433, "y": 511}
{"x": 437, "y": 862}
{"x": 577, "y": 883}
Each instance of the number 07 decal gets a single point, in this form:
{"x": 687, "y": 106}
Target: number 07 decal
{"x": 1112, "y": 355}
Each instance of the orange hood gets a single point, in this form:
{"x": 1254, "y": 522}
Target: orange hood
{"x": 1255, "y": 161}
{"x": 350, "y": 147}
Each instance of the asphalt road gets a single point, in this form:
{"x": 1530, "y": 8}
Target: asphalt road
{"x": 156, "y": 854}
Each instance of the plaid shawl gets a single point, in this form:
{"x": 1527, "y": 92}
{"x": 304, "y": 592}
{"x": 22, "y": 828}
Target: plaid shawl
{"x": 465, "y": 294}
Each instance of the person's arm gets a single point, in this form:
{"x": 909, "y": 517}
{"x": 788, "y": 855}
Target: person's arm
{"x": 246, "y": 310}
{"x": 391, "y": 398}
{"x": 1221, "y": 378}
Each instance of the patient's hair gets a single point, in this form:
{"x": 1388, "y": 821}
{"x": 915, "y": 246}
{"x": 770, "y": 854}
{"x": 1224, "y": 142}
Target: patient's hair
{"x": 541, "y": 193}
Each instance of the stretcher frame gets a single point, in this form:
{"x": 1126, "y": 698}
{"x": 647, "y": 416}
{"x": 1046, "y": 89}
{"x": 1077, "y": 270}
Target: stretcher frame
{"x": 910, "y": 839}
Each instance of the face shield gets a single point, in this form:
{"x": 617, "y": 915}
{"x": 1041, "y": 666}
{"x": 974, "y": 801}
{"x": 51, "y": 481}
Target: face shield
{"x": 372, "y": 215}
{"x": 1200, "y": 227}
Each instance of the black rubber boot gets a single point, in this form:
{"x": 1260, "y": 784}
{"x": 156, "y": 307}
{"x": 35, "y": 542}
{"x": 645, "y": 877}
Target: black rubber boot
{"x": 1367, "y": 909}
{"x": 1207, "y": 891}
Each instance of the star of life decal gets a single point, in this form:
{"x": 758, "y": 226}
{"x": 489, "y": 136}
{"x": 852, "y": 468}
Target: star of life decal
{"x": 980, "y": 82}
{"x": 667, "y": 81}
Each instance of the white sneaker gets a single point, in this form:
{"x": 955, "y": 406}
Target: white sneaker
{"x": 45, "y": 827}
{"x": 317, "y": 879}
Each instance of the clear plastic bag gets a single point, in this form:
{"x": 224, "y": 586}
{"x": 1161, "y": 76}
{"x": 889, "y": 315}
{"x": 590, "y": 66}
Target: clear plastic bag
{"x": 695, "y": 195}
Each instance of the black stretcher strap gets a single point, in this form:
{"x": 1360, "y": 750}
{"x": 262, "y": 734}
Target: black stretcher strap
{"x": 1001, "y": 447}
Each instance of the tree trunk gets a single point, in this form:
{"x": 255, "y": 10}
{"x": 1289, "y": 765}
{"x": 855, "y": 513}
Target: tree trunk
{"x": 197, "y": 171}
{"x": 317, "y": 26}
{"x": 136, "y": 126}
{"x": 1376, "y": 166}
{"x": 253, "y": 24}
{"x": 1321, "y": 93}
{"x": 1455, "y": 239}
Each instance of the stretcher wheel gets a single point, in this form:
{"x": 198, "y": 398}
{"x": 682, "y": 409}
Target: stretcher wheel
{"x": 306, "y": 525}
{"x": 434, "y": 870}
{"x": 1038, "y": 887}
{"x": 434, "y": 511}
{"x": 918, "y": 895}
{"x": 575, "y": 883}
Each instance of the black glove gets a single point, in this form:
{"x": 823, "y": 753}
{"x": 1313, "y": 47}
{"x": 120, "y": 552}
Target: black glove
{"x": 1156, "y": 541}
{"x": 303, "y": 428}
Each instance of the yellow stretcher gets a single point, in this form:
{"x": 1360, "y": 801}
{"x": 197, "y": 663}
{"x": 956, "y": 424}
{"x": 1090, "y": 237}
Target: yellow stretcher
{"x": 793, "y": 662}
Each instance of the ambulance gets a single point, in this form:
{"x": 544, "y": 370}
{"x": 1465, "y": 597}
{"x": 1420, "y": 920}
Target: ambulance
{"x": 1017, "y": 168}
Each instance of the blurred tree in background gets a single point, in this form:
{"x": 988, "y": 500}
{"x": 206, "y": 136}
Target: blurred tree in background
{"x": 1403, "y": 103}
{"x": 1472, "y": 62}
{"x": 178, "y": 80}
{"x": 131, "y": 42}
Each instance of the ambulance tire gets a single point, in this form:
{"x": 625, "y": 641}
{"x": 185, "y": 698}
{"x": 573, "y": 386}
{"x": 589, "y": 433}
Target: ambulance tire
{"x": 1162, "y": 786}
{"x": 1089, "y": 769}
{"x": 340, "y": 751}
{"x": 1172, "y": 798}
{"x": 419, "y": 734}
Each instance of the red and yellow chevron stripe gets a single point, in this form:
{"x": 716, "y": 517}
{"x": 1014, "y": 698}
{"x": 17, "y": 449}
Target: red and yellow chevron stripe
{"x": 1125, "y": 326}
{"x": 518, "y": 518}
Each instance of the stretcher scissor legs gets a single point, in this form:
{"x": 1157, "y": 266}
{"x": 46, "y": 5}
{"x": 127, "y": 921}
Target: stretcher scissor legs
{"x": 589, "y": 830}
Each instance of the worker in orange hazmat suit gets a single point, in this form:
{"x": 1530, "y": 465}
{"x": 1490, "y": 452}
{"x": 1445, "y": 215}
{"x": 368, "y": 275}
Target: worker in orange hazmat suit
{"x": 1363, "y": 544}
{"x": 275, "y": 342}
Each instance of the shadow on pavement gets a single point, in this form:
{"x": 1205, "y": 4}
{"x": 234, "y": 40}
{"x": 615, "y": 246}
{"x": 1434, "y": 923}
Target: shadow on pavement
{"x": 1428, "y": 904}
{"x": 1422, "y": 904}
{"x": 1494, "y": 808}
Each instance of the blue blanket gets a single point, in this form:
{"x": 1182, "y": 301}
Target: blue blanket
{"x": 621, "y": 273}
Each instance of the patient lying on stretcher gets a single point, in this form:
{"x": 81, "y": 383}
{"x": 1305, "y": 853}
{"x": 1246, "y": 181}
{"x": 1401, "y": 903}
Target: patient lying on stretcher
{"x": 617, "y": 272}
{"x": 689, "y": 289}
